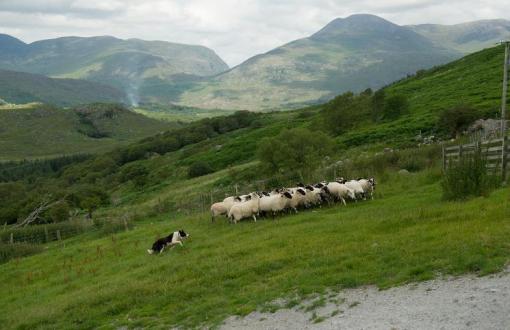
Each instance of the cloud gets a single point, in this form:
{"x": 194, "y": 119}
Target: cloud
{"x": 235, "y": 29}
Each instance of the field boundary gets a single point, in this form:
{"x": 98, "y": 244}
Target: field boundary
{"x": 495, "y": 151}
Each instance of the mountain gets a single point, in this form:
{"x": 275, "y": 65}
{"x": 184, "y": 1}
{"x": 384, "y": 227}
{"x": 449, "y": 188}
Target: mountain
{"x": 353, "y": 53}
{"x": 466, "y": 37}
{"x": 44, "y": 131}
{"x": 134, "y": 66}
{"x": 22, "y": 87}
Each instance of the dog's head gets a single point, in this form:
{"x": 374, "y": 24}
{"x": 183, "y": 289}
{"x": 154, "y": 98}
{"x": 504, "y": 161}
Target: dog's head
{"x": 183, "y": 234}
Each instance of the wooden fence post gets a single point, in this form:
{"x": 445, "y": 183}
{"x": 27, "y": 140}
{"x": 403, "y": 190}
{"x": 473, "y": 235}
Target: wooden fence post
{"x": 444, "y": 158}
{"x": 125, "y": 223}
{"x": 503, "y": 158}
{"x": 11, "y": 240}
{"x": 46, "y": 235}
{"x": 58, "y": 235}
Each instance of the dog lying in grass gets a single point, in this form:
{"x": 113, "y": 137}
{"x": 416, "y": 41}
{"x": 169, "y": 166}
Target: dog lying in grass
{"x": 171, "y": 240}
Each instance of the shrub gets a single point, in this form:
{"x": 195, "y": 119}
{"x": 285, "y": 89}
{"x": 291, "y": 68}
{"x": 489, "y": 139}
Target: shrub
{"x": 455, "y": 120}
{"x": 199, "y": 168}
{"x": 468, "y": 178}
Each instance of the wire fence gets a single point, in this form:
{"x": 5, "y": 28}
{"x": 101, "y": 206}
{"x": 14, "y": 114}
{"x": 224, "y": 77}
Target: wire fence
{"x": 46, "y": 233}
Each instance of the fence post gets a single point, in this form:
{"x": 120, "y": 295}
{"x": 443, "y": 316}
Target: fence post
{"x": 58, "y": 234}
{"x": 460, "y": 151}
{"x": 47, "y": 236}
{"x": 503, "y": 158}
{"x": 444, "y": 158}
{"x": 11, "y": 240}
{"x": 125, "y": 223}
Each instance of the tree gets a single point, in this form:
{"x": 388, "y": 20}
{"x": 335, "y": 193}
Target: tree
{"x": 297, "y": 150}
{"x": 395, "y": 106}
{"x": 457, "y": 119}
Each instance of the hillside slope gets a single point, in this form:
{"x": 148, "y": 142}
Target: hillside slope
{"x": 407, "y": 233}
{"x": 354, "y": 53}
{"x": 43, "y": 131}
{"x": 131, "y": 65}
{"x": 21, "y": 87}
{"x": 466, "y": 37}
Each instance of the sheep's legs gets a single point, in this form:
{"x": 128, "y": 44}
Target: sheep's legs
{"x": 254, "y": 218}
{"x": 343, "y": 201}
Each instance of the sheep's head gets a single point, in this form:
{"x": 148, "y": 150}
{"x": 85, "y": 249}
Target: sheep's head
{"x": 341, "y": 180}
{"x": 286, "y": 194}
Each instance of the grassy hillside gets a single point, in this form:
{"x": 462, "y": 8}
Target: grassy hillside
{"x": 131, "y": 65}
{"x": 354, "y": 53}
{"x": 466, "y": 37}
{"x": 21, "y": 87}
{"x": 406, "y": 234}
{"x": 474, "y": 80}
{"x": 43, "y": 131}
{"x": 173, "y": 112}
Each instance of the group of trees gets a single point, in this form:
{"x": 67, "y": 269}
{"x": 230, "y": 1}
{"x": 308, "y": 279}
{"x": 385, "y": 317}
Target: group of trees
{"x": 83, "y": 182}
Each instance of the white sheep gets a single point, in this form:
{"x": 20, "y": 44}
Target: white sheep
{"x": 275, "y": 202}
{"x": 298, "y": 198}
{"x": 246, "y": 209}
{"x": 219, "y": 208}
{"x": 368, "y": 187}
{"x": 340, "y": 191}
{"x": 313, "y": 196}
{"x": 355, "y": 186}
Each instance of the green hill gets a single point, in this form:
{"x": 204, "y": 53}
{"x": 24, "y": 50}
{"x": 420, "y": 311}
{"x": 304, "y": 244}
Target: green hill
{"x": 21, "y": 87}
{"x": 44, "y": 131}
{"x": 143, "y": 190}
{"x": 354, "y": 53}
{"x": 134, "y": 66}
{"x": 466, "y": 37}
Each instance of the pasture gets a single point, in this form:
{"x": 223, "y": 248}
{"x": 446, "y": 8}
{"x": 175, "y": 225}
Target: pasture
{"x": 407, "y": 233}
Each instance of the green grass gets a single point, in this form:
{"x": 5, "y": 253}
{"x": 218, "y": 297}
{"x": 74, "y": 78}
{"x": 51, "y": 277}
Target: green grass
{"x": 176, "y": 113}
{"x": 406, "y": 234}
{"x": 39, "y": 131}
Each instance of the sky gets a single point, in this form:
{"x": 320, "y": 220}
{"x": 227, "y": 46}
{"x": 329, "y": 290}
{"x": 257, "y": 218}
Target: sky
{"x": 235, "y": 30}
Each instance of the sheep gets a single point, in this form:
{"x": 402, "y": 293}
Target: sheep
{"x": 357, "y": 188}
{"x": 219, "y": 208}
{"x": 274, "y": 202}
{"x": 313, "y": 196}
{"x": 248, "y": 208}
{"x": 298, "y": 198}
{"x": 340, "y": 191}
{"x": 368, "y": 187}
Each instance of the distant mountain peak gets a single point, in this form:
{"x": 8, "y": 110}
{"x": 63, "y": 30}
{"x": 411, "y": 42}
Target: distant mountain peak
{"x": 358, "y": 23}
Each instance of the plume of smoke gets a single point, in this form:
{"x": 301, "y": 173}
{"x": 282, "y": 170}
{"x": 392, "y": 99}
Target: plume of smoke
{"x": 132, "y": 94}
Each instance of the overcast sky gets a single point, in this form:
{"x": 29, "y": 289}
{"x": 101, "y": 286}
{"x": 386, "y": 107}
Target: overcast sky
{"x": 236, "y": 30}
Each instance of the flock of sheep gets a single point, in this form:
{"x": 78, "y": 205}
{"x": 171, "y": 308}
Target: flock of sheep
{"x": 282, "y": 200}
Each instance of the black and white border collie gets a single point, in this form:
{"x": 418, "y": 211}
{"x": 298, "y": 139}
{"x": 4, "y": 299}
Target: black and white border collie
{"x": 171, "y": 240}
